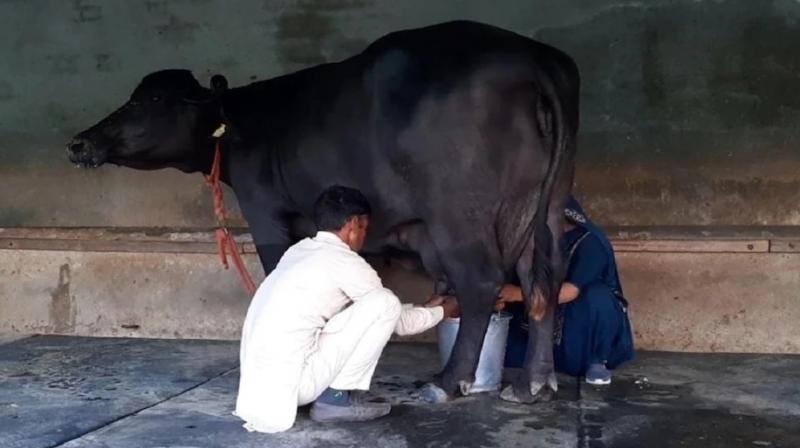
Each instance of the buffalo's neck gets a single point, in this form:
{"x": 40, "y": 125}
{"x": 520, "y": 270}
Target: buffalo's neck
{"x": 267, "y": 122}
{"x": 201, "y": 156}
{"x": 257, "y": 121}
{"x": 270, "y": 110}
{"x": 200, "y": 160}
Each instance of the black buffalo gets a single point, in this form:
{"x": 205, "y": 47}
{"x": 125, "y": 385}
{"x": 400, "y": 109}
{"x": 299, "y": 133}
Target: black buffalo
{"x": 461, "y": 135}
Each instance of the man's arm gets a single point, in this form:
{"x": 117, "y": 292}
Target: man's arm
{"x": 417, "y": 319}
{"x": 358, "y": 280}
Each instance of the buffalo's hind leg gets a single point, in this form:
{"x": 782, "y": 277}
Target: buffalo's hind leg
{"x": 538, "y": 382}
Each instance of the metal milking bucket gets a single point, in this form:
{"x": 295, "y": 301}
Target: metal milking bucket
{"x": 493, "y": 353}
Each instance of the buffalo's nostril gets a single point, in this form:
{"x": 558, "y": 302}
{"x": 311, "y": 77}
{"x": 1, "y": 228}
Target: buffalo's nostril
{"x": 76, "y": 146}
{"x": 82, "y": 152}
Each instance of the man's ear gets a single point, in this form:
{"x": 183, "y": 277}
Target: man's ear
{"x": 218, "y": 85}
{"x": 351, "y": 223}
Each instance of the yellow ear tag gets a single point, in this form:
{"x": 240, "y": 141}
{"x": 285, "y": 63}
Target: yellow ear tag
{"x": 220, "y": 130}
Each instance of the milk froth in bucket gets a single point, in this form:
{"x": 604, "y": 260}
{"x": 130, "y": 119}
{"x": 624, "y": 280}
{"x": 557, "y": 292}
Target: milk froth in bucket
{"x": 489, "y": 374}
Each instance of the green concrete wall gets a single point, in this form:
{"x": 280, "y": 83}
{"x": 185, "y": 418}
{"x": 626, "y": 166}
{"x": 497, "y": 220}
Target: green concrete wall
{"x": 690, "y": 114}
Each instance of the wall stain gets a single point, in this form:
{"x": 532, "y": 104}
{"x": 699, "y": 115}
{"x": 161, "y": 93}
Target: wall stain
{"x": 652, "y": 71}
{"x": 178, "y": 31}
{"x": 307, "y": 32}
{"x": 103, "y": 63}
{"x": 63, "y": 64}
{"x": 752, "y": 73}
{"x": 87, "y": 12}
{"x": 63, "y": 309}
{"x": 698, "y": 65}
{"x": 156, "y": 6}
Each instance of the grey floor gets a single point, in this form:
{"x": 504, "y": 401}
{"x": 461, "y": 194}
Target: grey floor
{"x": 135, "y": 393}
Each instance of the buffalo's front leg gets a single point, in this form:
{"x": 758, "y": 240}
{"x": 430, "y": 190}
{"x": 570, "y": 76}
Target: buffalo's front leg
{"x": 476, "y": 282}
{"x": 270, "y": 232}
{"x": 459, "y": 372}
{"x": 270, "y": 254}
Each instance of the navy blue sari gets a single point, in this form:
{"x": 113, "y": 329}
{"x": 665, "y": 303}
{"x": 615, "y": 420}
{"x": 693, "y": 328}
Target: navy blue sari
{"x": 594, "y": 328}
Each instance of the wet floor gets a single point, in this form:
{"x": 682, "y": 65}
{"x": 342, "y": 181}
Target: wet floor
{"x": 126, "y": 393}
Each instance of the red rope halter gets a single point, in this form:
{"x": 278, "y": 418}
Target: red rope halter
{"x": 225, "y": 241}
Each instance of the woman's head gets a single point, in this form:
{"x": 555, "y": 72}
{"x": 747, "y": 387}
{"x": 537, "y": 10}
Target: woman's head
{"x": 574, "y": 215}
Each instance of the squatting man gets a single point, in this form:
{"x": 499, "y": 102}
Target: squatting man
{"x": 318, "y": 323}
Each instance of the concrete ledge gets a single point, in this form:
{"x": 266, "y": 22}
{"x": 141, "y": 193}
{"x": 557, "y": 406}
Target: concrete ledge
{"x": 698, "y": 246}
{"x": 157, "y": 240}
{"x": 170, "y": 240}
{"x": 791, "y": 246}
{"x": 703, "y": 232}
{"x": 729, "y": 290}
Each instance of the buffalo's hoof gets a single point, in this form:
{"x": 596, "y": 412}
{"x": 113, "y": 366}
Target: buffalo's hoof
{"x": 464, "y": 387}
{"x": 434, "y": 394}
{"x": 542, "y": 394}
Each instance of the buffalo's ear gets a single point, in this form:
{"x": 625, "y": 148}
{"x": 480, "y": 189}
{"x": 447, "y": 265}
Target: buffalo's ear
{"x": 218, "y": 85}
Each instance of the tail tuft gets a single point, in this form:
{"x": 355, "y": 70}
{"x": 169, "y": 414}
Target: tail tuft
{"x": 542, "y": 270}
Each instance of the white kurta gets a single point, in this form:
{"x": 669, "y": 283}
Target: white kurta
{"x": 320, "y": 319}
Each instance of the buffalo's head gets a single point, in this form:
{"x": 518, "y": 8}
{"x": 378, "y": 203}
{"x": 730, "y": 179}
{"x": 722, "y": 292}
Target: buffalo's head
{"x": 167, "y": 122}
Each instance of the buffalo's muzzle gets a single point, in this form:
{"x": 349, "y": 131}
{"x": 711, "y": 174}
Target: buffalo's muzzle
{"x": 83, "y": 153}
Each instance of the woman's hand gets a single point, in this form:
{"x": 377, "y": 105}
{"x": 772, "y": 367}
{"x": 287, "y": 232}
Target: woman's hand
{"x": 568, "y": 293}
{"x": 511, "y": 293}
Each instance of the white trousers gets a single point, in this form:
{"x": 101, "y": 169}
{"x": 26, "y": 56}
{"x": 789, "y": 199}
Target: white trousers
{"x": 349, "y": 347}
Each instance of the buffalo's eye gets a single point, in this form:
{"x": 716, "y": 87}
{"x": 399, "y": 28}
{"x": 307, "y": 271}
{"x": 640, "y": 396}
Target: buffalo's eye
{"x": 155, "y": 98}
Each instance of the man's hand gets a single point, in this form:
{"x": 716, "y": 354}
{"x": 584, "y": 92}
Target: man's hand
{"x": 450, "y": 306}
{"x": 508, "y": 294}
{"x": 448, "y": 303}
{"x": 434, "y": 301}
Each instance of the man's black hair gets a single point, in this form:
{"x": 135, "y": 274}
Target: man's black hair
{"x": 336, "y": 205}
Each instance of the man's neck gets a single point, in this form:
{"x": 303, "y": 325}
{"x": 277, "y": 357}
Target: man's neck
{"x": 340, "y": 235}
